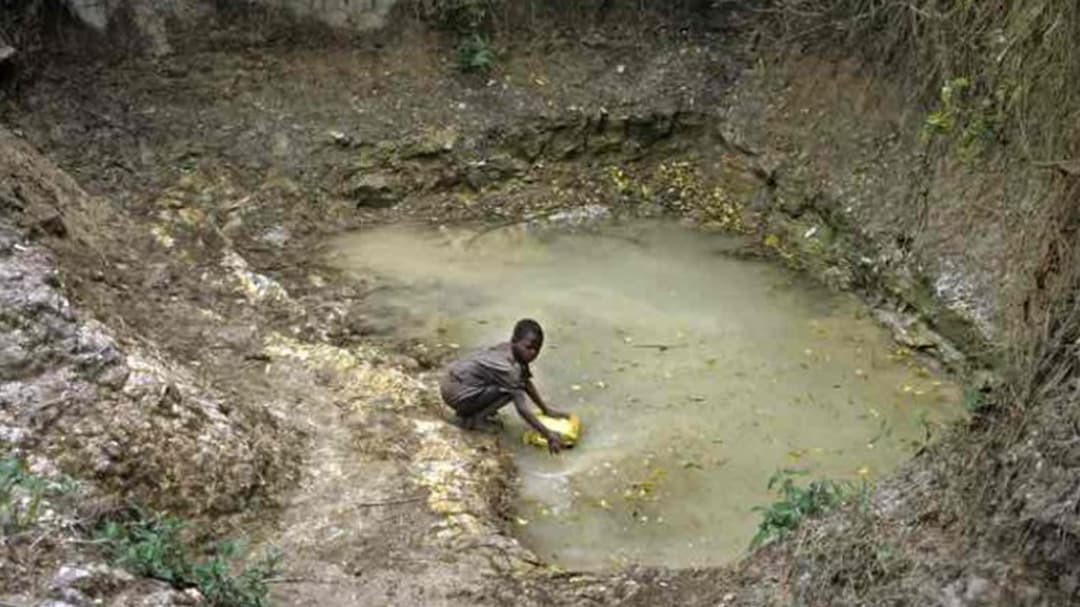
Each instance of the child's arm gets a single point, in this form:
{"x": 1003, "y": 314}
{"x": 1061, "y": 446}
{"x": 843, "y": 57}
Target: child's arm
{"x": 530, "y": 389}
{"x": 553, "y": 441}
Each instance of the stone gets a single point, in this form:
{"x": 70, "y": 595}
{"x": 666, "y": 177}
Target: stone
{"x": 374, "y": 190}
{"x": 73, "y": 596}
{"x": 978, "y": 588}
{"x": 341, "y": 139}
{"x": 429, "y": 144}
{"x": 276, "y": 236}
{"x": 68, "y": 576}
{"x": 482, "y": 173}
{"x": 587, "y": 215}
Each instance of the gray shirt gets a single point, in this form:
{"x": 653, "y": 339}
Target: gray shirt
{"x": 480, "y": 371}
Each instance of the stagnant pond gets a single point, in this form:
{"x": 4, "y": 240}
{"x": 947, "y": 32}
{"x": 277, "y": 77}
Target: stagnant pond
{"x": 697, "y": 376}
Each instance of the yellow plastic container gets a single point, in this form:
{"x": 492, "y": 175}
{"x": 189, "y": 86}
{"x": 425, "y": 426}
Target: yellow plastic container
{"x": 568, "y": 429}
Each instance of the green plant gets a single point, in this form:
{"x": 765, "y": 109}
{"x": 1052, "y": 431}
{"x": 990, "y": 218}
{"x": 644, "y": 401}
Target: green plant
{"x": 975, "y": 401}
{"x": 475, "y": 54}
{"x": 21, "y": 494}
{"x": 796, "y": 503}
{"x": 943, "y": 120}
{"x": 153, "y": 545}
{"x": 245, "y": 589}
{"x": 973, "y": 119}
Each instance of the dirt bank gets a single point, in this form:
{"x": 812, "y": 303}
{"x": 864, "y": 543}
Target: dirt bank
{"x": 211, "y": 365}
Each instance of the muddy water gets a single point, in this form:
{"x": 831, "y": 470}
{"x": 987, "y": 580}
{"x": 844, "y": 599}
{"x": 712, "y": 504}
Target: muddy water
{"x": 697, "y": 376}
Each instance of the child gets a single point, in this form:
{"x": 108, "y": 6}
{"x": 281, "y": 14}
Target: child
{"x": 480, "y": 384}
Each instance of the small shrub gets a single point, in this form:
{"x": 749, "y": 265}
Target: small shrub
{"x": 475, "y": 54}
{"x": 796, "y": 503}
{"x": 152, "y": 545}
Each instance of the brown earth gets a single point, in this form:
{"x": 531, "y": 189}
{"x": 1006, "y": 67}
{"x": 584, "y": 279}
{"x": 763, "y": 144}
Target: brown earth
{"x": 186, "y": 216}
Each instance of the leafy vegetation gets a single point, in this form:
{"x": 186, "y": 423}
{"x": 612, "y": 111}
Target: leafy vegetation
{"x": 475, "y": 54}
{"x": 975, "y": 401}
{"x": 974, "y": 122}
{"x": 472, "y": 22}
{"x": 153, "y": 545}
{"x": 796, "y": 503}
{"x": 22, "y": 493}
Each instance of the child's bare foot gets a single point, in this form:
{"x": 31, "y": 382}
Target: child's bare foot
{"x": 465, "y": 423}
{"x": 476, "y": 422}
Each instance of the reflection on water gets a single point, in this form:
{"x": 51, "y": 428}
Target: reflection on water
{"x": 696, "y": 376}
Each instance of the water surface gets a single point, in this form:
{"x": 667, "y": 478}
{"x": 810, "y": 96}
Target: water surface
{"x": 697, "y": 376}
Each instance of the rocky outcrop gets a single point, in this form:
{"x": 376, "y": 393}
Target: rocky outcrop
{"x": 76, "y": 397}
{"x": 149, "y": 18}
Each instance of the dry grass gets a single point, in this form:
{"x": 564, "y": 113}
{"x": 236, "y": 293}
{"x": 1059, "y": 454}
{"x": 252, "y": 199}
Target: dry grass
{"x": 541, "y": 16}
{"x": 1020, "y": 57}
{"x": 997, "y": 81}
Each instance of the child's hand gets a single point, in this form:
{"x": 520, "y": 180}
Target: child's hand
{"x": 554, "y": 443}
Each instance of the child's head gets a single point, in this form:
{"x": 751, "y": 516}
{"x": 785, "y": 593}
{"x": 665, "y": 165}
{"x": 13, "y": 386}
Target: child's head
{"x": 527, "y": 340}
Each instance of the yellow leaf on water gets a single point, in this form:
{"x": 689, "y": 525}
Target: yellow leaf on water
{"x": 521, "y": 521}
{"x": 575, "y": 387}
{"x": 864, "y": 471}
